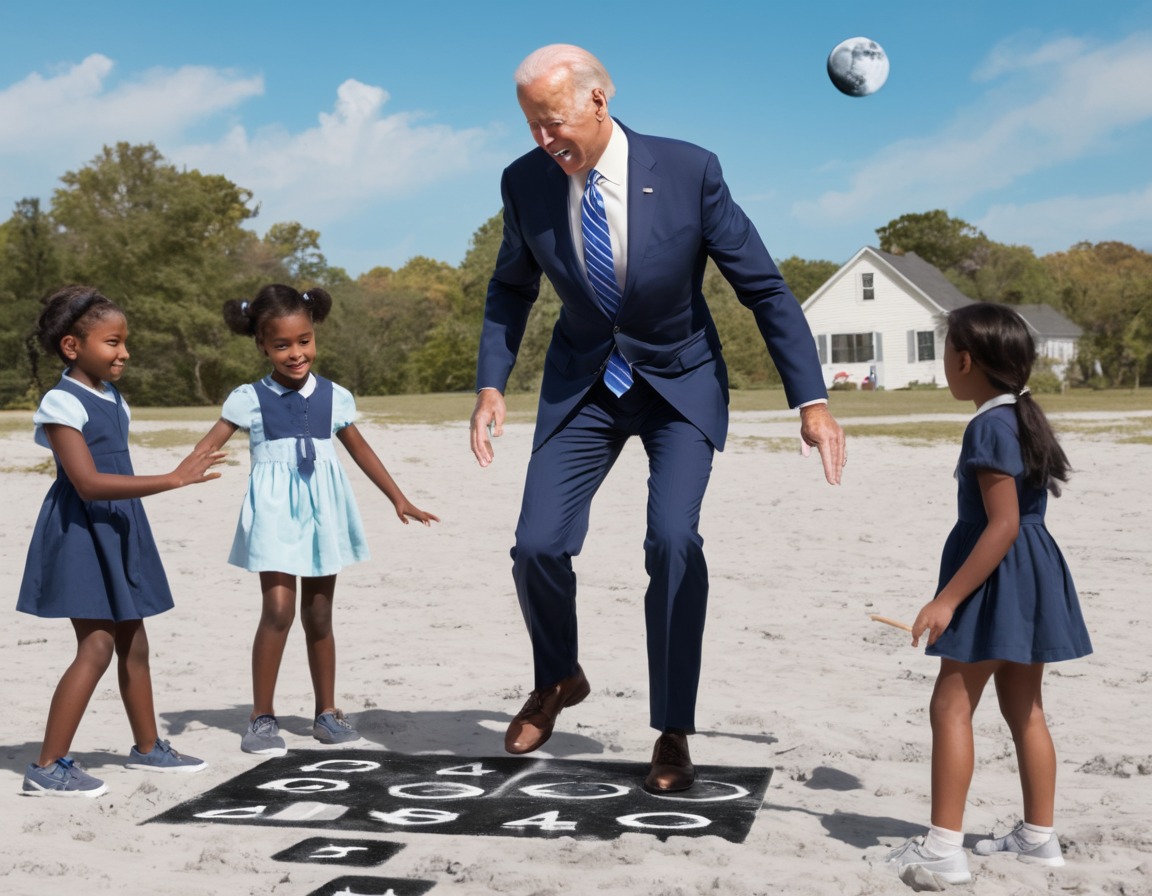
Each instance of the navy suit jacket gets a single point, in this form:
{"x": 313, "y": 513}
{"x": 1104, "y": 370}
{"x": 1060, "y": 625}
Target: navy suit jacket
{"x": 679, "y": 213}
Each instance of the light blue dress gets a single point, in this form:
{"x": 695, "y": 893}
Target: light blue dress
{"x": 290, "y": 523}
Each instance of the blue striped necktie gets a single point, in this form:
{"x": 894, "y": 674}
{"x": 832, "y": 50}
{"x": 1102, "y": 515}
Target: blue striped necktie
{"x": 598, "y": 260}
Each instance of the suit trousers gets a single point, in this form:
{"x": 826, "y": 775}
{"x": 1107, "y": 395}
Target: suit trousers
{"x": 563, "y": 477}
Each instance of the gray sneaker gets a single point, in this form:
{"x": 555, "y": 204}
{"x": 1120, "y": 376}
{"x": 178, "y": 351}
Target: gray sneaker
{"x": 1047, "y": 853}
{"x": 162, "y": 758}
{"x": 912, "y": 856}
{"x": 62, "y": 778}
{"x": 333, "y": 728}
{"x": 263, "y": 737}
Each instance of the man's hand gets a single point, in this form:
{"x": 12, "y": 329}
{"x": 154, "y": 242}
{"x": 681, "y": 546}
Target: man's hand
{"x": 819, "y": 429}
{"x": 488, "y": 417}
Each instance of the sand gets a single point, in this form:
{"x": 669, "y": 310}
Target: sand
{"x": 433, "y": 658}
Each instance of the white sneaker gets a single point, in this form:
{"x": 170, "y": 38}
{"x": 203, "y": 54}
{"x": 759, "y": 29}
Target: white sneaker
{"x": 951, "y": 869}
{"x": 1047, "y": 853}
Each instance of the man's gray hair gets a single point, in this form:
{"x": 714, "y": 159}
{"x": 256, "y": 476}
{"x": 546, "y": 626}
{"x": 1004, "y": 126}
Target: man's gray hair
{"x": 586, "y": 70}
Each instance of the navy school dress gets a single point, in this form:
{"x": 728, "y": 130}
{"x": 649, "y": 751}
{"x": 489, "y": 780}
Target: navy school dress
{"x": 94, "y": 559}
{"x": 1027, "y": 611}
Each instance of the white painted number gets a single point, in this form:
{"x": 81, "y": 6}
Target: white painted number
{"x": 676, "y": 821}
{"x": 546, "y": 821}
{"x": 473, "y": 770}
{"x": 411, "y": 817}
{"x": 305, "y": 785}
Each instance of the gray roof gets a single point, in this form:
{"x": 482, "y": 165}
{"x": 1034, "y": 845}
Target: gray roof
{"x": 926, "y": 278}
{"x": 1047, "y": 322}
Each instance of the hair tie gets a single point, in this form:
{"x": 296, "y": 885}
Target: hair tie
{"x": 244, "y": 307}
{"x": 305, "y": 298}
{"x": 1024, "y": 392}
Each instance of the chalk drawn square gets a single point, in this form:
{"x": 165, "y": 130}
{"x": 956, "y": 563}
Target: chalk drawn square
{"x": 335, "y": 851}
{"x": 379, "y": 792}
{"x": 374, "y": 886}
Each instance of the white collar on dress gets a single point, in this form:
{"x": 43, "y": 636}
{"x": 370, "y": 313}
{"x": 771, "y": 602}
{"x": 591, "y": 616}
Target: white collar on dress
{"x": 995, "y": 402}
{"x": 304, "y": 391}
{"x": 106, "y": 394}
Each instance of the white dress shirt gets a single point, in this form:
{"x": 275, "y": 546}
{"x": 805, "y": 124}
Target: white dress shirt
{"x": 613, "y": 185}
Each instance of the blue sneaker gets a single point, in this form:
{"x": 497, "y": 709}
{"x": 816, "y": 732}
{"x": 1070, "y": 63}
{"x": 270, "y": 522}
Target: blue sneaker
{"x": 263, "y": 737}
{"x": 332, "y": 728}
{"x": 162, "y": 758}
{"x": 62, "y": 778}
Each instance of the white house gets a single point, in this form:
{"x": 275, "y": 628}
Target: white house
{"x": 879, "y": 321}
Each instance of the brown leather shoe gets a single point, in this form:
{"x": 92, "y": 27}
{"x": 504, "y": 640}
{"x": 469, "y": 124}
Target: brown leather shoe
{"x": 672, "y": 768}
{"x": 532, "y": 726}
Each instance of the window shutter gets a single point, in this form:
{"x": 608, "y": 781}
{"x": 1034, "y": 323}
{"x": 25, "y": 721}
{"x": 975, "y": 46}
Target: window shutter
{"x": 912, "y": 347}
{"x": 822, "y": 348}
{"x": 878, "y": 341}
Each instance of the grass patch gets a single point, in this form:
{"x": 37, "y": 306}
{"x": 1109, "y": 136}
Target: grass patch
{"x": 917, "y": 434}
{"x": 456, "y": 407}
{"x": 47, "y": 467}
{"x": 1137, "y": 430}
{"x": 166, "y": 438}
{"x": 770, "y": 444}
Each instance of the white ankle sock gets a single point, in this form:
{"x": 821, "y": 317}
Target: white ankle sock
{"x": 943, "y": 842}
{"x": 1034, "y": 834}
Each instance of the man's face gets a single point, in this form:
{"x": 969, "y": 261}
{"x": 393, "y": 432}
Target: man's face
{"x": 572, "y": 127}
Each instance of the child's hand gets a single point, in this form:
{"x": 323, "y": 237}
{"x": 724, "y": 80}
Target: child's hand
{"x": 407, "y": 511}
{"x": 933, "y": 618}
{"x": 194, "y": 468}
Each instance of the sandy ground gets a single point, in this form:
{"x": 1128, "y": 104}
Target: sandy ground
{"x": 434, "y": 658}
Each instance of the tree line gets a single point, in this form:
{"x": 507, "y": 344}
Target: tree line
{"x": 171, "y": 245}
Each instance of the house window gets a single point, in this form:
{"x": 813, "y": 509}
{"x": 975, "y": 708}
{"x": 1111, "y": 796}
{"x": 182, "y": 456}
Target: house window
{"x": 849, "y": 348}
{"x": 925, "y": 345}
{"x": 867, "y": 290}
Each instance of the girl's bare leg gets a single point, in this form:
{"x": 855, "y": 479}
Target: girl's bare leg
{"x": 276, "y": 617}
{"x": 954, "y": 700}
{"x": 1018, "y": 688}
{"x": 316, "y": 595}
{"x": 136, "y": 681}
{"x": 94, "y": 647}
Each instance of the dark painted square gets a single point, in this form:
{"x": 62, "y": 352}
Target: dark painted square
{"x": 334, "y": 851}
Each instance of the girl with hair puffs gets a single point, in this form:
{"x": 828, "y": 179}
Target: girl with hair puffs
{"x": 299, "y": 518}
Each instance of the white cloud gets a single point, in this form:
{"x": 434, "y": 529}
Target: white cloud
{"x": 81, "y": 108}
{"x": 1044, "y": 225}
{"x": 1057, "y": 105}
{"x": 354, "y": 155}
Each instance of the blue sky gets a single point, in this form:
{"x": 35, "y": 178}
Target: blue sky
{"x": 385, "y": 125}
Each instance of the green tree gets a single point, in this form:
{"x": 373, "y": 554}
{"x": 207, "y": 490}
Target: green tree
{"x": 945, "y": 242}
{"x": 29, "y": 269}
{"x": 804, "y": 277}
{"x": 168, "y": 246}
{"x": 1011, "y": 275}
{"x": 1107, "y": 289}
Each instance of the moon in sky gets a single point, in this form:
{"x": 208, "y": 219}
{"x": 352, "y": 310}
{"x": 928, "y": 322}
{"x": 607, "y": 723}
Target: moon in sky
{"x": 858, "y": 66}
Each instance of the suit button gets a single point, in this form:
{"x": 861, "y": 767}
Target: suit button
{"x": 615, "y": 329}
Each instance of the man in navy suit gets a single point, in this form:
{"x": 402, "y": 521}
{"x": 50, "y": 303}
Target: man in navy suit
{"x": 650, "y": 367}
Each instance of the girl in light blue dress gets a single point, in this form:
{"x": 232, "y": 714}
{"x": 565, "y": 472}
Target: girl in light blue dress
{"x": 93, "y": 559}
{"x": 299, "y": 518}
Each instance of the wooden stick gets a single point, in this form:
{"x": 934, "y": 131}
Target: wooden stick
{"x": 892, "y": 622}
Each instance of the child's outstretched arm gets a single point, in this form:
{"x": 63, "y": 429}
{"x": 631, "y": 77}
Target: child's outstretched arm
{"x": 92, "y": 485}
{"x": 373, "y": 468}
{"x": 1003, "y": 508}
{"x": 222, "y": 430}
